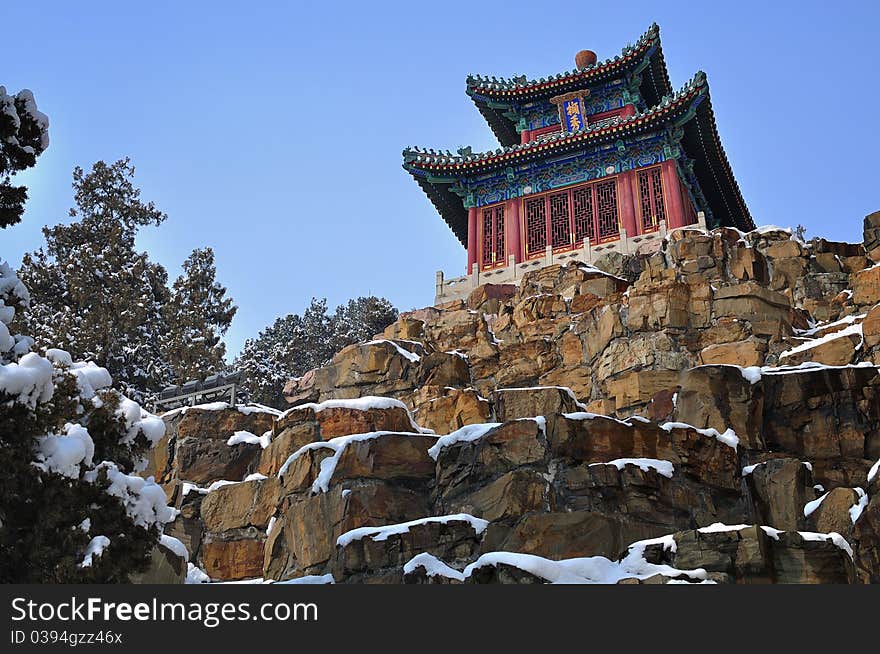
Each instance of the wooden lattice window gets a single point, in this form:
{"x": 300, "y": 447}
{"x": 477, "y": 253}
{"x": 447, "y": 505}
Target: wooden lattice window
{"x": 560, "y": 221}
{"x": 564, "y": 219}
{"x": 651, "y": 198}
{"x": 492, "y": 251}
{"x": 584, "y": 222}
{"x": 606, "y": 210}
{"x": 536, "y": 225}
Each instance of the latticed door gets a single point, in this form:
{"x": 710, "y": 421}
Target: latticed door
{"x": 536, "y": 225}
{"x": 606, "y": 210}
{"x": 563, "y": 219}
{"x": 584, "y": 216}
{"x": 651, "y": 204}
{"x": 560, "y": 220}
{"x": 492, "y": 250}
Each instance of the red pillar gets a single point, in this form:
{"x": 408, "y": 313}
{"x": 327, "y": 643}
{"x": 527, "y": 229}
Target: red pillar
{"x": 675, "y": 216}
{"x": 627, "y": 206}
{"x": 628, "y": 110}
{"x": 511, "y": 218}
{"x": 525, "y": 136}
{"x": 472, "y": 238}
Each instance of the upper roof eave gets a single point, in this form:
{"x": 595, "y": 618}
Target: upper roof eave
{"x": 519, "y": 88}
{"x": 440, "y": 163}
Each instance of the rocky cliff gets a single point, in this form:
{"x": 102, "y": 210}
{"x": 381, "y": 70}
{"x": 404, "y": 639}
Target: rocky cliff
{"x": 706, "y": 412}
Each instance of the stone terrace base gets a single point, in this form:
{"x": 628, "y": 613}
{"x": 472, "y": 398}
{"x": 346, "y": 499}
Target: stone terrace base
{"x": 458, "y": 288}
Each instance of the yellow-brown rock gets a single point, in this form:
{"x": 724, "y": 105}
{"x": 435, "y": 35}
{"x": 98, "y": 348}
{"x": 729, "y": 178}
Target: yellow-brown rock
{"x": 866, "y": 286}
{"x": 231, "y": 560}
{"x": 236, "y": 506}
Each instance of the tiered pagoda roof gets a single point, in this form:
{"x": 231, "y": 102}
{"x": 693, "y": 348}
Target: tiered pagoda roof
{"x": 689, "y": 109}
{"x": 493, "y": 95}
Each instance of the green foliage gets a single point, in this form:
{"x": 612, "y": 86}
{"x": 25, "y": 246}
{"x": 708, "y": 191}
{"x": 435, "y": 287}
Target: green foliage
{"x": 24, "y": 135}
{"x": 197, "y": 314}
{"x": 48, "y": 515}
{"x": 295, "y": 344}
{"x": 100, "y": 299}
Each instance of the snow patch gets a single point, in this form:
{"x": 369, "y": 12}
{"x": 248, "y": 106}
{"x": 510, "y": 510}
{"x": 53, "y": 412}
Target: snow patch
{"x": 466, "y": 434}
{"x": 809, "y": 507}
{"x": 855, "y": 511}
{"x": 433, "y": 567}
{"x": 832, "y": 536}
{"x": 729, "y": 437}
{"x": 383, "y": 533}
{"x": 662, "y": 467}
{"x": 175, "y": 546}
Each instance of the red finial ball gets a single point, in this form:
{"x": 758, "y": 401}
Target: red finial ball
{"x": 585, "y": 58}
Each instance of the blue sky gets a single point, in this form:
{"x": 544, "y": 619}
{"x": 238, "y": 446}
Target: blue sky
{"x": 273, "y": 131}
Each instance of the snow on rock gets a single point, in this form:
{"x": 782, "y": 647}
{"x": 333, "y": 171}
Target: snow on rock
{"x": 412, "y": 356}
{"x": 589, "y": 570}
{"x": 832, "y": 536}
{"x": 872, "y": 473}
{"x": 95, "y": 548}
{"x": 251, "y": 439}
{"x": 144, "y": 499}
{"x": 328, "y": 465}
{"x": 365, "y": 403}
{"x": 586, "y": 415}
{"x": 751, "y": 374}
{"x": 305, "y": 448}
{"x": 729, "y": 437}
{"x": 720, "y": 527}
{"x": 246, "y": 409}
{"x": 175, "y": 546}
{"x": 65, "y": 453}
{"x": 195, "y": 575}
{"x": 846, "y": 320}
{"x": 382, "y": 533}
{"x": 466, "y": 434}
{"x": 432, "y": 566}
{"x": 29, "y": 381}
{"x": 803, "y": 347}
{"x": 855, "y": 511}
{"x": 310, "y": 579}
{"x": 661, "y": 466}
{"x": 188, "y": 487}
{"x": 809, "y": 507}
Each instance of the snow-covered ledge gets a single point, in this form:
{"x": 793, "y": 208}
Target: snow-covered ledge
{"x": 458, "y": 288}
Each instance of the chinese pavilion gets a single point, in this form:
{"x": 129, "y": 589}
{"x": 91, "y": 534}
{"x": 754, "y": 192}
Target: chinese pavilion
{"x": 606, "y": 156}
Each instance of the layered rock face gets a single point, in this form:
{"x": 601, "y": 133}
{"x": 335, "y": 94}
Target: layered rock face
{"x": 704, "y": 413}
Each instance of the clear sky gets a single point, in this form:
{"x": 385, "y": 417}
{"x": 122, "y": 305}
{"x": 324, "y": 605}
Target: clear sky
{"x": 272, "y": 131}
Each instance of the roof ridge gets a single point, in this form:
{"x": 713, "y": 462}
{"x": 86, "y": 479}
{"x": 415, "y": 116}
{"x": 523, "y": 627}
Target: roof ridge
{"x": 521, "y": 81}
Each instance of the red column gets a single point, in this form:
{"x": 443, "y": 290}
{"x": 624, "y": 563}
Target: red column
{"x": 628, "y": 110}
{"x": 675, "y": 216}
{"x": 511, "y": 218}
{"x": 472, "y": 238}
{"x": 627, "y": 206}
{"x": 525, "y": 136}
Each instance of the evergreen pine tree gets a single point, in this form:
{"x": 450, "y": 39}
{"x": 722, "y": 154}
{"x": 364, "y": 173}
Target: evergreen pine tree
{"x": 94, "y": 294}
{"x": 68, "y": 447}
{"x": 197, "y": 314}
{"x": 24, "y": 135}
{"x": 295, "y": 344}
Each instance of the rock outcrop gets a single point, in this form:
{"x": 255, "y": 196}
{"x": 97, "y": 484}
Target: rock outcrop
{"x": 704, "y": 413}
